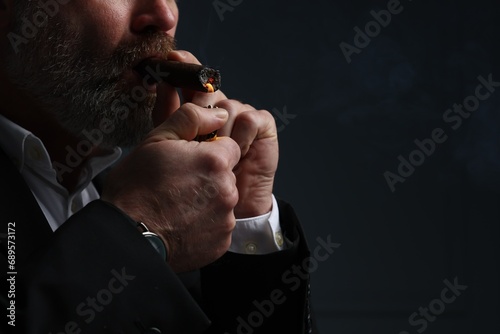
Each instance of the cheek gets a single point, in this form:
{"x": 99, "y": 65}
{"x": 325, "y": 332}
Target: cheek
{"x": 102, "y": 25}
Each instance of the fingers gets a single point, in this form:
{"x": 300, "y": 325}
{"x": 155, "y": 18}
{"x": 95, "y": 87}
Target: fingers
{"x": 189, "y": 121}
{"x": 234, "y": 108}
{"x": 252, "y": 126}
{"x": 167, "y": 102}
{"x": 246, "y": 124}
{"x": 183, "y": 56}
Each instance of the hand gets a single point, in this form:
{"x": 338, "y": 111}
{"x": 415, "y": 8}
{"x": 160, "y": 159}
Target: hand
{"x": 183, "y": 190}
{"x": 256, "y": 134}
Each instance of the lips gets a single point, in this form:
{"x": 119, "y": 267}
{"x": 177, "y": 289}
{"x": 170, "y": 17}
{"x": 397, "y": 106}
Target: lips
{"x": 144, "y": 70}
{"x": 141, "y": 75}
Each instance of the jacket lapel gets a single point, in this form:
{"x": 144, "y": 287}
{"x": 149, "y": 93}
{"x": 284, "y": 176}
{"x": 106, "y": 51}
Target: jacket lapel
{"x": 19, "y": 210}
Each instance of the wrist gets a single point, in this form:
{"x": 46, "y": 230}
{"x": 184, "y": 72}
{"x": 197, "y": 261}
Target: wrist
{"x": 137, "y": 214}
{"x": 155, "y": 240}
{"x": 253, "y": 207}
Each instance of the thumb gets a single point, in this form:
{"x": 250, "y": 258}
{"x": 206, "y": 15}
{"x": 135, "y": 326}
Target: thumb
{"x": 188, "y": 122}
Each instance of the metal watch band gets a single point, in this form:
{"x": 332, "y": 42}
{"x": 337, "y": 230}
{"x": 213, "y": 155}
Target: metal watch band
{"x": 154, "y": 240}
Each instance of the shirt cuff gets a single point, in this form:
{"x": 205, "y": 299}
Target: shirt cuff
{"x": 258, "y": 235}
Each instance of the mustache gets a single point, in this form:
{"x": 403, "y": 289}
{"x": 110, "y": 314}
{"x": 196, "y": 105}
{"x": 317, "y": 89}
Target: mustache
{"x": 130, "y": 54}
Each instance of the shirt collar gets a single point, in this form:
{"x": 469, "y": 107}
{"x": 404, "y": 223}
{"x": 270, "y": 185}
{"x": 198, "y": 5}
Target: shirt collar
{"x": 28, "y": 152}
{"x": 12, "y": 141}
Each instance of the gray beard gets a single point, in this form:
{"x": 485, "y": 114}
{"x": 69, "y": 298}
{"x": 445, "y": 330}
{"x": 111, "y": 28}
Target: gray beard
{"x": 83, "y": 89}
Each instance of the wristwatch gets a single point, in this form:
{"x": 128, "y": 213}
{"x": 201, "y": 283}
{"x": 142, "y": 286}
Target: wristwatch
{"x": 154, "y": 240}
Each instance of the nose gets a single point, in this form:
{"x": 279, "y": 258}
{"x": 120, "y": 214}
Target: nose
{"x": 154, "y": 16}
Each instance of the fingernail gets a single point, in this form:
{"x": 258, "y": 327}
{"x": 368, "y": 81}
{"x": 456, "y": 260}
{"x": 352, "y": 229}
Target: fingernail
{"x": 220, "y": 113}
{"x": 176, "y": 54}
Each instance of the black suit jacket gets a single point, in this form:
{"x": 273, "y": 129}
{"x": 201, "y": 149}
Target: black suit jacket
{"x": 97, "y": 274}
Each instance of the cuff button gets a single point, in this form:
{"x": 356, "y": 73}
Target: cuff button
{"x": 251, "y": 248}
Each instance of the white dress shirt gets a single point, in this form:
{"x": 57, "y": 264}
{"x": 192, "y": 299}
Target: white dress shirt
{"x": 257, "y": 235}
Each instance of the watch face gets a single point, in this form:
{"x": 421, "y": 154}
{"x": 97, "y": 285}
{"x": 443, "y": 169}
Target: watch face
{"x": 157, "y": 244}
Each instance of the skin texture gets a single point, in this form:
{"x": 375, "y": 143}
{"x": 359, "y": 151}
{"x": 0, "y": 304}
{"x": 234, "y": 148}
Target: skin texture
{"x": 189, "y": 193}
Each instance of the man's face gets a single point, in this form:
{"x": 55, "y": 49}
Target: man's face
{"x": 79, "y": 66}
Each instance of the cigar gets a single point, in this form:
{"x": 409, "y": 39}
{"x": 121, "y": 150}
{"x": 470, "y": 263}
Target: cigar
{"x": 183, "y": 75}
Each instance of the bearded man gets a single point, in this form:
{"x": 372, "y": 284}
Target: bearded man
{"x": 227, "y": 257}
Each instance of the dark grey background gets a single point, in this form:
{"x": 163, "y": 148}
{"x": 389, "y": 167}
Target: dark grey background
{"x": 350, "y": 123}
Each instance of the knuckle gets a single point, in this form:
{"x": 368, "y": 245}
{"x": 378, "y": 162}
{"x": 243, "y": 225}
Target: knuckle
{"x": 229, "y": 224}
{"x": 268, "y": 119}
{"x": 229, "y": 104}
{"x": 232, "y": 196}
{"x": 214, "y": 162}
{"x": 266, "y": 113}
{"x": 222, "y": 157}
{"x": 232, "y": 148}
{"x": 188, "y": 114}
{"x": 247, "y": 118}
{"x": 228, "y": 194}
